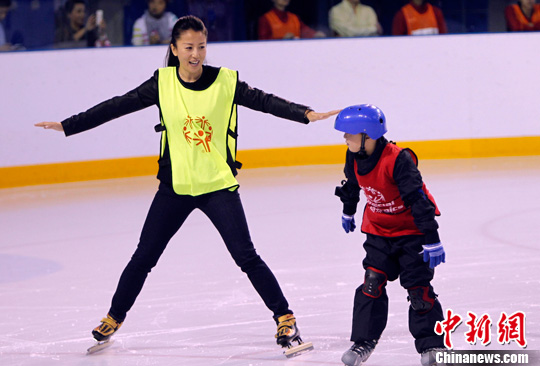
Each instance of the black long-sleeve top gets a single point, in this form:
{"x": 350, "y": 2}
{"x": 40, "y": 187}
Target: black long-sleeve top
{"x": 409, "y": 182}
{"x": 147, "y": 95}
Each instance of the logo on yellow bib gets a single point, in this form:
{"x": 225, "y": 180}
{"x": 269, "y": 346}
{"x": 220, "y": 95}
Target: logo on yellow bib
{"x": 199, "y": 130}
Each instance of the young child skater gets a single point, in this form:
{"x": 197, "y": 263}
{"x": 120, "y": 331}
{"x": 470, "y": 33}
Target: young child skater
{"x": 197, "y": 167}
{"x": 401, "y": 234}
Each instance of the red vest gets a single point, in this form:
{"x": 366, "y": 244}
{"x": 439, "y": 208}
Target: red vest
{"x": 525, "y": 23}
{"x": 385, "y": 213}
{"x": 418, "y": 24}
{"x": 280, "y": 29}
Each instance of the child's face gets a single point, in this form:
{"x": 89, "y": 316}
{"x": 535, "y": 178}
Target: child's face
{"x": 354, "y": 142}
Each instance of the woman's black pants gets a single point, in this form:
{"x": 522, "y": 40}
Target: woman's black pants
{"x": 166, "y": 215}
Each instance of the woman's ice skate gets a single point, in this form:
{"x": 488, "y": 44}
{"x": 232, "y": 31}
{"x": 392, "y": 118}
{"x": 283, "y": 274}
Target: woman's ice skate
{"x": 103, "y": 333}
{"x": 287, "y": 333}
{"x": 100, "y": 345}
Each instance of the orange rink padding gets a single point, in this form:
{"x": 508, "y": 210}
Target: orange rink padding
{"x": 263, "y": 158}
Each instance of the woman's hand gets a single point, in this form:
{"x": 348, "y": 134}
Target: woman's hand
{"x": 57, "y": 126}
{"x": 314, "y": 116}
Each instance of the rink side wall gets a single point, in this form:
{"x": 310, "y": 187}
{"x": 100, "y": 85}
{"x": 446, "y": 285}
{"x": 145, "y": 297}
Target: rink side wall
{"x": 452, "y": 96}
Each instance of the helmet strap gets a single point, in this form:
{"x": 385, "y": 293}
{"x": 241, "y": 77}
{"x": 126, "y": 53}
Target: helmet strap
{"x": 362, "y": 151}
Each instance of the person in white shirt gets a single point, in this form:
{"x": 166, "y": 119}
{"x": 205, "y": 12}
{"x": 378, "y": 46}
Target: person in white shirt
{"x": 154, "y": 26}
{"x": 350, "y": 18}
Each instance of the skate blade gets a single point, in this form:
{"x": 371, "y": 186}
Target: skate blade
{"x": 99, "y": 346}
{"x": 297, "y": 350}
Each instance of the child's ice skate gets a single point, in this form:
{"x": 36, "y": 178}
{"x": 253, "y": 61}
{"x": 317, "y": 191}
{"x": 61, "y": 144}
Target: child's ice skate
{"x": 358, "y": 353}
{"x": 287, "y": 332}
{"x": 429, "y": 357}
{"x": 103, "y": 333}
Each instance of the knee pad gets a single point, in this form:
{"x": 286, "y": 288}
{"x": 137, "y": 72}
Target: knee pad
{"x": 374, "y": 281}
{"x": 422, "y": 298}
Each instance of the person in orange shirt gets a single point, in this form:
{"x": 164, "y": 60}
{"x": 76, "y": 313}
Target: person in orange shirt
{"x": 281, "y": 24}
{"x": 419, "y": 18}
{"x": 523, "y": 16}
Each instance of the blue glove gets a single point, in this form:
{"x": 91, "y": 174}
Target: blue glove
{"x": 348, "y": 223}
{"x": 434, "y": 253}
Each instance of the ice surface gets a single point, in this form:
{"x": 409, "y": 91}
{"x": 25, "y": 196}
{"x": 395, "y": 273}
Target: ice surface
{"x": 64, "y": 246}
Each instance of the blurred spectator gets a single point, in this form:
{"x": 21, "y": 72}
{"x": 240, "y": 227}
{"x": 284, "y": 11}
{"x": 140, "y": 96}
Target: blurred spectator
{"x": 73, "y": 30}
{"x": 221, "y": 17}
{"x": 5, "y": 6}
{"x": 350, "y": 18}
{"x": 281, "y": 24}
{"x": 155, "y": 25}
{"x": 523, "y": 16}
{"x": 419, "y": 18}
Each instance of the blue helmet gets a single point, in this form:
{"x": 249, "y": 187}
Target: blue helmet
{"x": 362, "y": 118}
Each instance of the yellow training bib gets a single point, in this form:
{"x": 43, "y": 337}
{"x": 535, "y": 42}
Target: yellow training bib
{"x": 200, "y": 131}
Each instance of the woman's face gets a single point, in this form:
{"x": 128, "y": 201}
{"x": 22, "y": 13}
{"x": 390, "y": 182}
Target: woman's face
{"x": 77, "y": 14}
{"x": 190, "y": 49}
